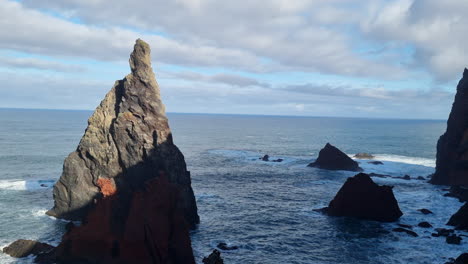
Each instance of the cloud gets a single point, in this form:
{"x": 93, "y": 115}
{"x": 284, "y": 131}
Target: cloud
{"x": 435, "y": 29}
{"x": 258, "y": 36}
{"x": 222, "y": 78}
{"x": 40, "y": 64}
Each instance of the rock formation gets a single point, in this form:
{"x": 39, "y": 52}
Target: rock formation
{"x": 213, "y": 258}
{"x": 23, "y": 248}
{"x": 460, "y": 219}
{"x": 452, "y": 147}
{"x": 331, "y": 158}
{"x": 360, "y": 197}
{"x": 127, "y": 142}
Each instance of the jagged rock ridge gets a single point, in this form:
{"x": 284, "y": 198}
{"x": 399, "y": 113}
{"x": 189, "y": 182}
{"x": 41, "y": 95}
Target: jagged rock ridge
{"x": 452, "y": 147}
{"x": 128, "y": 141}
{"x": 331, "y": 158}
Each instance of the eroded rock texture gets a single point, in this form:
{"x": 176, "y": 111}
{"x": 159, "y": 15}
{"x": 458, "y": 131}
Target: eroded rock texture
{"x": 331, "y": 158}
{"x": 360, "y": 197}
{"x": 452, "y": 147}
{"x": 127, "y": 142}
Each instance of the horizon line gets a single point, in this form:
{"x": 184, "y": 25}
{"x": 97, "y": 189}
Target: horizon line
{"x": 234, "y": 114}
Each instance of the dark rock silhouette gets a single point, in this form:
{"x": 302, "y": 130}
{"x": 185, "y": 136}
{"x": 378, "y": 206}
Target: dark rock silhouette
{"x": 453, "y": 239}
{"x": 376, "y": 162}
{"x": 425, "y": 225}
{"x": 462, "y": 259}
{"x": 460, "y": 219}
{"x": 404, "y": 230}
{"x": 23, "y": 248}
{"x": 364, "y": 156}
{"x": 459, "y": 192}
{"x": 360, "y": 197}
{"x": 443, "y": 232}
{"x": 265, "y": 158}
{"x": 425, "y": 211}
{"x": 452, "y": 147}
{"x": 127, "y": 141}
{"x": 213, "y": 258}
{"x": 224, "y": 246}
{"x": 331, "y": 158}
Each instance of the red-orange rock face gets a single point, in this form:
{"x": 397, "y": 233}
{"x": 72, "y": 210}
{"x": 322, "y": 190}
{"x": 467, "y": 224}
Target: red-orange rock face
{"x": 151, "y": 230}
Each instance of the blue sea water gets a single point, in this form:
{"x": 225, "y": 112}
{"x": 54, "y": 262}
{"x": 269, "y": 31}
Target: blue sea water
{"x": 264, "y": 208}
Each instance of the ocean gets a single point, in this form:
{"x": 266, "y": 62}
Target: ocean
{"x": 264, "y": 208}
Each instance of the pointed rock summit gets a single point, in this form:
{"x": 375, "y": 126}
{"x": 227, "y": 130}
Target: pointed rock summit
{"x": 452, "y": 147}
{"x": 127, "y": 143}
{"x": 331, "y": 158}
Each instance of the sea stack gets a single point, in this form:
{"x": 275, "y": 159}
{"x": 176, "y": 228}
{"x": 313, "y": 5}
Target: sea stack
{"x": 452, "y": 147}
{"x": 127, "y": 143}
{"x": 331, "y": 158}
{"x": 362, "y": 198}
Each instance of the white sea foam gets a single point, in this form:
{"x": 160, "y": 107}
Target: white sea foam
{"x": 404, "y": 159}
{"x": 21, "y": 185}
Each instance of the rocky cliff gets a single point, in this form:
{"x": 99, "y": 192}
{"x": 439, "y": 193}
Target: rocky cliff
{"x": 452, "y": 147}
{"x": 127, "y": 142}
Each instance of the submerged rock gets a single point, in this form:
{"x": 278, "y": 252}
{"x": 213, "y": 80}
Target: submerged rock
{"x": 360, "y": 197}
{"x": 265, "y": 158}
{"x": 452, "y": 147}
{"x": 364, "y": 156}
{"x": 23, "y": 248}
{"x": 453, "y": 239}
{"x": 425, "y": 211}
{"x": 331, "y": 158}
{"x": 460, "y": 219}
{"x": 376, "y": 162}
{"x": 213, "y": 258}
{"x": 425, "y": 225}
{"x": 127, "y": 141}
{"x": 404, "y": 230}
{"x": 224, "y": 246}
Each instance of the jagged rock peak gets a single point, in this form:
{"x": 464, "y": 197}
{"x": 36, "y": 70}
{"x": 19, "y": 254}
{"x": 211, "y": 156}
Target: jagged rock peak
{"x": 452, "y": 147}
{"x": 128, "y": 141}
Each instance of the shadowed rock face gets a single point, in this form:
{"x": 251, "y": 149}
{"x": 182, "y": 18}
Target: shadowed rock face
{"x": 460, "y": 218}
{"x": 360, "y": 197}
{"x": 331, "y": 158}
{"x": 127, "y": 141}
{"x": 452, "y": 147}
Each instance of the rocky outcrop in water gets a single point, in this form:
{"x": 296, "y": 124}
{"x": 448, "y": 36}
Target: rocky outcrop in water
{"x": 452, "y": 147}
{"x": 331, "y": 158}
{"x": 127, "y": 142}
{"x": 460, "y": 219}
{"x": 213, "y": 258}
{"x": 360, "y": 197}
{"x": 153, "y": 230}
{"x": 23, "y": 248}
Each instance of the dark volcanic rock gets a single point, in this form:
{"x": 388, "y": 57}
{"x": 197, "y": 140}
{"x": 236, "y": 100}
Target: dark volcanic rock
{"x": 151, "y": 230}
{"x": 364, "y": 156}
{"x": 406, "y": 177}
{"x": 403, "y": 230}
{"x": 453, "y": 239}
{"x": 376, "y": 162}
{"x": 265, "y": 158}
{"x": 421, "y": 178}
{"x": 452, "y": 147}
{"x": 23, "y": 248}
{"x": 362, "y": 198}
{"x": 213, "y": 258}
{"x": 278, "y": 160}
{"x": 331, "y": 158}
{"x": 444, "y": 232}
{"x": 459, "y": 192}
{"x": 462, "y": 259}
{"x": 127, "y": 141}
{"x": 224, "y": 246}
{"x": 425, "y": 211}
{"x": 460, "y": 219}
{"x": 425, "y": 225}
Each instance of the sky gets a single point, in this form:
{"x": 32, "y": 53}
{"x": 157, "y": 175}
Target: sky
{"x": 349, "y": 58}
